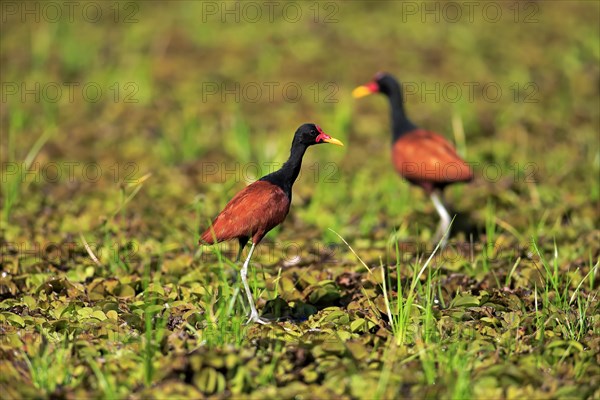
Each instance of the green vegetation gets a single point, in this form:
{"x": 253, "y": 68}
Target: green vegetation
{"x": 104, "y": 292}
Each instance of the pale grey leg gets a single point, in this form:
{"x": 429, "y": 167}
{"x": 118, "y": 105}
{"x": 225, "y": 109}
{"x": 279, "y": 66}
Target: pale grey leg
{"x": 244, "y": 272}
{"x": 442, "y": 230}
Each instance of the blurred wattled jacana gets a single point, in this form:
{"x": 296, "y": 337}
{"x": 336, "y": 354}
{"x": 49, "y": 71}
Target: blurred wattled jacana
{"x": 423, "y": 158}
{"x": 263, "y": 205}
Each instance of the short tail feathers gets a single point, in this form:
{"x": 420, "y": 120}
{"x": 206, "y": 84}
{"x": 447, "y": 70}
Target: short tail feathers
{"x": 464, "y": 173}
{"x": 208, "y": 237}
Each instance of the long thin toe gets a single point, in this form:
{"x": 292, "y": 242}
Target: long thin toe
{"x": 257, "y": 319}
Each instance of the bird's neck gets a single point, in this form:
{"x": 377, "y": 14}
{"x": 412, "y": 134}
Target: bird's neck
{"x": 400, "y": 122}
{"x": 287, "y": 174}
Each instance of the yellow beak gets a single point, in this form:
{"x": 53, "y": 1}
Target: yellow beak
{"x": 361, "y": 91}
{"x": 334, "y": 141}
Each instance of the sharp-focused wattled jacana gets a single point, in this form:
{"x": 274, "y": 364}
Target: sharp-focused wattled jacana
{"x": 264, "y": 204}
{"x": 423, "y": 158}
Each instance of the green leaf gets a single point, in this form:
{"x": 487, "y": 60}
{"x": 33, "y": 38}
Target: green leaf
{"x": 14, "y": 319}
{"x": 98, "y": 315}
{"x": 465, "y": 301}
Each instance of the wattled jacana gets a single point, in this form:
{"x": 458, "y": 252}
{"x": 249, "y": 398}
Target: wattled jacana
{"x": 263, "y": 205}
{"x": 423, "y": 158}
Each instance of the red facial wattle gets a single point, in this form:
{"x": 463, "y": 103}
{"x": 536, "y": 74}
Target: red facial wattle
{"x": 372, "y": 86}
{"x": 322, "y": 135}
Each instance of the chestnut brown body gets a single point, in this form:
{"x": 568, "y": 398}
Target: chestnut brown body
{"x": 251, "y": 214}
{"x": 428, "y": 160}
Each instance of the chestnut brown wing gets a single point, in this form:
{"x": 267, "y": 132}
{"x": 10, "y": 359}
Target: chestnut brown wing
{"x": 423, "y": 156}
{"x": 252, "y": 212}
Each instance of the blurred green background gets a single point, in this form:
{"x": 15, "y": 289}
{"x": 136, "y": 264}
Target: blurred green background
{"x": 203, "y": 95}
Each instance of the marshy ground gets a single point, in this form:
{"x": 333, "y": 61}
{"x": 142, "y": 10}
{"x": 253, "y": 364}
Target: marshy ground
{"x": 127, "y": 126}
